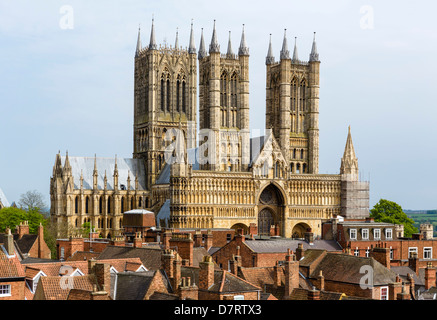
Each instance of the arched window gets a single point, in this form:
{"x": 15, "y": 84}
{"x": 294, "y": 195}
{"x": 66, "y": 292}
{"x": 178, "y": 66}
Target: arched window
{"x": 87, "y": 203}
{"x": 100, "y": 205}
{"x": 109, "y": 205}
{"x": 75, "y": 223}
{"x": 293, "y": 95}
{"x": 223, "y": 90}
{"x": 162, "y": 94}
{"x": 302, "y": 95}
{"x": 76, "y": 204}
{"x": 234, "y": 91}
{"x": 184, "y": 97}
{"x": 122, "y": 204}
{"x": 140, "y": 202}
{"x": 178, "y": 95}
{"x": 131, "y": 203}
{"x": 168, "y": 95}
{"x": 301, "y": 153}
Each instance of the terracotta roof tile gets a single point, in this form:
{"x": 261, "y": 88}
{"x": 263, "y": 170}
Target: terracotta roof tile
{"x": 10, "y": 267}
{"x": 52, "y": 288}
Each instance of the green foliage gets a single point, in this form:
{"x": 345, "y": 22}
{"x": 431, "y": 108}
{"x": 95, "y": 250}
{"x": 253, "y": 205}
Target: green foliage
{"x": 391, "y": 212}
{"x": 11, "y": 217}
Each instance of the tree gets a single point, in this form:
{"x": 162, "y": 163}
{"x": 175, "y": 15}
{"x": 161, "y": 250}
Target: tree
{"x": 32, "y": 200}
{"x": 391, "y": 212}
{"x": 11, "y": 217}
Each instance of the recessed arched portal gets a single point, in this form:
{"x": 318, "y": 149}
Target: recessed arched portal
{"x": 270, "y": 211}
{"x": 241, "y": 226}
{"x": 299, "y": 230}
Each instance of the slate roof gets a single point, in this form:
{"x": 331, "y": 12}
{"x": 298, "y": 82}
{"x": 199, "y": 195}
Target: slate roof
{"x": 198, "y": 254}
{"x": 224, "y": 281}
{"x": 150, "y": 256}
{"x": 133, "y": 286}
{"x": 24, "y": 244}
{"x": 125, "y": 167}
{"x": 163, "y": 214}
{"x": 282, "y": 245}
{"x": 346, "y": 268}
{"x": 3, "y": 200}
{"x": 403, "y": 272}
{"x": 302, "y": 294}
{"x": 163, "y": 296}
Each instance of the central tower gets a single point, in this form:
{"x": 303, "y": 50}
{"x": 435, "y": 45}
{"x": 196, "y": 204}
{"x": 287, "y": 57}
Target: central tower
{"x": 224, "y": 105}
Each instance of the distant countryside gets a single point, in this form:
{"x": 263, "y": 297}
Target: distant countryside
{"x": 423, "y": 216}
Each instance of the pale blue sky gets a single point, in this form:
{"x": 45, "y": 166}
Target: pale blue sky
{"x": 72, "y": 89}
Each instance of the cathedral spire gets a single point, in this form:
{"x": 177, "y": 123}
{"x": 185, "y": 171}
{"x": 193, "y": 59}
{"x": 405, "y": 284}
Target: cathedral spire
{"x": 176, "y": 43}
{"x": 139, "y": 47}
{"x": 349, "y": 162}
{"x": 270, "y": 58}
{"x": 295, "y": 55}
{"x": 202, "y": 51}
{"x": 152, "y": 44}
{"x": 244, "y": 49}
{"x": 214, "y": 47}
{"x": 192, "y": 47}
{"x": 314, "y": 55}
{"x": 285, "y": 54}
{"x": 230, "y": 53}
{"x": 95, "y": 173}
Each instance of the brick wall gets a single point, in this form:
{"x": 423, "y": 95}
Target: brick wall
{"x": 157, "y": 285}
{"x": 17, "y": 290}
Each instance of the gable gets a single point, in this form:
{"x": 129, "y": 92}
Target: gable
{"x": 270, "y": 160}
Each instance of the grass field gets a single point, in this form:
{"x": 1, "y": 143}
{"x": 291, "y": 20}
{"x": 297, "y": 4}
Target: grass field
{"x": 423, "y": 216}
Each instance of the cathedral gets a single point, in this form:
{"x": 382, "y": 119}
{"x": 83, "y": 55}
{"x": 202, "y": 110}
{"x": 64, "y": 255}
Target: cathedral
{"x": 199, "y": 166}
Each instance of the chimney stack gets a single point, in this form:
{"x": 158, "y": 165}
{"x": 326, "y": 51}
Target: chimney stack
{"x": 430, "y": 276}
{"x": 314, "y": 294}
{"x": 206, "y": 273}
{"x": 9, "y": 242}
{"x": 291, "y": 274}
{"x": 382, "y": 255}
{"x": 23, "y": 229}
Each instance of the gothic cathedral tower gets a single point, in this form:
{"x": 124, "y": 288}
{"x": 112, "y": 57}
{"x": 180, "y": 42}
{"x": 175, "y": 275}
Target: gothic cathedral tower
{"x": 164, "y": 99}
{"x": 292, "y": 106}
{"x": 224, "y": 105}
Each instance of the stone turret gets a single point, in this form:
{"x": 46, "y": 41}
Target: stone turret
{"x": 349, "y": 162}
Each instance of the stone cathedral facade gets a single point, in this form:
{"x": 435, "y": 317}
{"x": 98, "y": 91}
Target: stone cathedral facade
{"x": 198, "y": 166}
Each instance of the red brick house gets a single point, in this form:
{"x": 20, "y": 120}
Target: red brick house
{"x": 205, "y": 282}
{"x": 265, "y": 252}
{"x": 355, "y": 276}
{"x": 30, "y": 245}
{"x": 361, "y": 236}
{"x": 12, "y": 279}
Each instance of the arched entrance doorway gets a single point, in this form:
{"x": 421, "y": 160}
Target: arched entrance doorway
{"x": 241, "y": 226}
{"x": 299, "y": 230}
{"x": 270, "y": 211}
